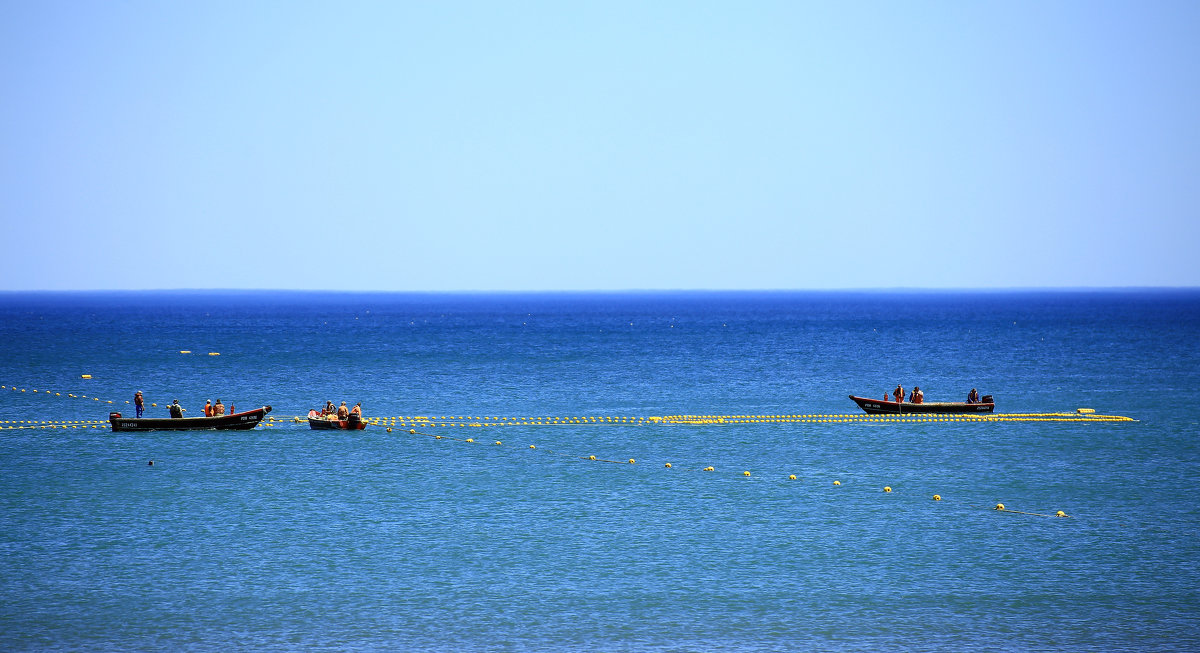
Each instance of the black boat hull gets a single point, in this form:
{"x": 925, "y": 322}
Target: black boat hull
{"x": 235, "y": 422}
{"x": 881, "y": 407}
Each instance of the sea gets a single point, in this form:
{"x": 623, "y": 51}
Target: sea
{"x": 761, "y": 525}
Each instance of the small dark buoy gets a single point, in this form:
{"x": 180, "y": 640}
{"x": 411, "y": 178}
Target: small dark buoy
{"x": 150, "y": 464}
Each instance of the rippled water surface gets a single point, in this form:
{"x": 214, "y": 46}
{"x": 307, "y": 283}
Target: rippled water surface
{"x": 283, "y": 538}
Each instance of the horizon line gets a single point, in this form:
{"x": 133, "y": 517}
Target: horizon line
{"x": 599, "y": 291}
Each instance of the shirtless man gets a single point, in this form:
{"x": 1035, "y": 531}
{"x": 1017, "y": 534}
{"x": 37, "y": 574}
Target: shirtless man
{"x": 343, "y": 412}
{"x": 219, "y": 408}
{"x": 138, "y": 402}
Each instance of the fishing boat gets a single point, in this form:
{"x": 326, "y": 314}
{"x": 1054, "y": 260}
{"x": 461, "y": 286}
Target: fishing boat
{"x": 234, "y": 422}
{"x": 879, "y": 406}
{"x": 318, "y": 423}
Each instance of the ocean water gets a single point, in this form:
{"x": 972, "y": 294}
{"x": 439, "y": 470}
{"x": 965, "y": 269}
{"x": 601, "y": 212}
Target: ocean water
{"x": 288, "y": 539}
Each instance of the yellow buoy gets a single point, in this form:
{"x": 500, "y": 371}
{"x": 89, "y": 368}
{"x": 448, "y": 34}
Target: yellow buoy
{"x": 532, "y": 447}
{"x": 413, "y": 431}
{"x": 85, "y": 376}
{"x": 746, "y": 473}
{"x": 709, "y": 469}
{"x": 389, "y": 430}
{"x": 591, "y": 457}
{"x": 470, "y": 439}
{"x": 632, "y": 461}
{"x": 185, "y": 351}
{"x": 499, "y": 442}
{"x": 837, "y": 482}
{"x": 887, "y": 488}
{"x": 792, "y": 477}
{"x": 1061, "y": 514}
{"x": 937, "y": 497}
{"x": 999, "y": 506}
{"x": 214, "y": 353}
{"x": 668, "y": 465}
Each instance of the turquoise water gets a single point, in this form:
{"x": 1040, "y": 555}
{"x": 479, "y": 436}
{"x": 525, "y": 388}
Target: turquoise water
{"x": 284, "y": 538}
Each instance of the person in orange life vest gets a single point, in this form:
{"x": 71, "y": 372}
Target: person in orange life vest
{"x": 208, "y": 408}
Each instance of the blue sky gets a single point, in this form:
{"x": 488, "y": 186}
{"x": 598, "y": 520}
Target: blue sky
{"x": 599, "y": 145}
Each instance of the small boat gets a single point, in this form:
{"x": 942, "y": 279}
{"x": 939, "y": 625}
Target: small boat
{"x": 243, "y": 421}
{"x": 318, "y": 423}
{"x": 879, "y": 406}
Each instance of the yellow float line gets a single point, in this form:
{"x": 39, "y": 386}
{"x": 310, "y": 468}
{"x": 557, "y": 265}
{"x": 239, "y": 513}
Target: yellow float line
{"x": 51, "y": 424}
{"x": 745, "y": 473}
{"x": 694, "y": 420}
{"x": 1081, "y": 415}
{"x": 464, "y": 421}
{"x": 61, "y": 394}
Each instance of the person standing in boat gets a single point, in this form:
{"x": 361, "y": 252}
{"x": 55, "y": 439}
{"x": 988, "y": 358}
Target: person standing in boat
{"x": 918, "y": 397}
{"x": 138, "y": 403}
{"x": 899, "y": 393}
{"x": 218, "y": 408}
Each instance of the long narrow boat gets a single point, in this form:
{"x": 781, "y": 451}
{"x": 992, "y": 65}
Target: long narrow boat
{"x": 318, "y": 423}
{"x": 879, "y": 406}
{"x": 234, "y": 422}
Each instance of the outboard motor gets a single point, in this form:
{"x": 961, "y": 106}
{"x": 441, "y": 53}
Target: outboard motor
{"x": 987, "y": 399}
{"x": 113, "y": 416}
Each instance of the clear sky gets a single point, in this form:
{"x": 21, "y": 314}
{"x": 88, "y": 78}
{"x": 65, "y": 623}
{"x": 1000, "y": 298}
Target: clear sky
{"x": 569, "y": 145}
